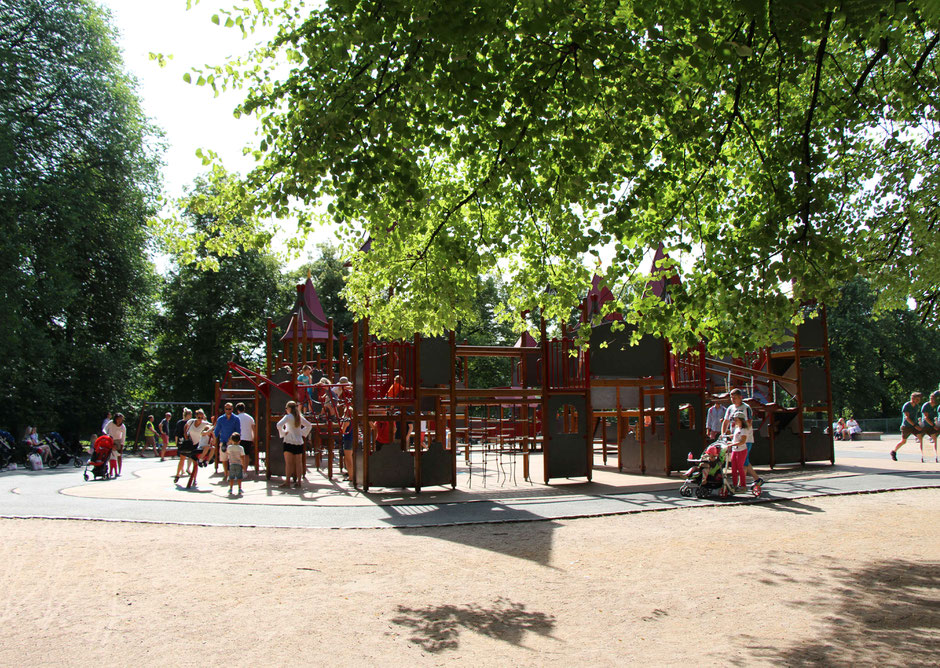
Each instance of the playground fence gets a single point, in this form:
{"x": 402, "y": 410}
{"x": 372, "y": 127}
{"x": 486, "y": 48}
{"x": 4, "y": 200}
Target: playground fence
{"x": 890, "y": 425}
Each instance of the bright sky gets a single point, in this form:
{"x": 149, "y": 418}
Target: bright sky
{"x": 189, "y": 115}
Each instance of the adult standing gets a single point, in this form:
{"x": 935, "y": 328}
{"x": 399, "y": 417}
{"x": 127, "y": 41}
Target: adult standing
{"x": 227, "y": 424}
{"x": 713, "y": 419}
{"x": 150, "y": 435}
{"x": 117, "y": 430}
{"x": 247, "y": 432}
{"x": 183, "y": 445}
{"x": 909, "y": 426}
{"x": 107, "y": 419}
{"x": 199, "y": 432}
{"x": 164, "y": 430}
{"x": 727, "y": 425}
{"x": 293, "y": 428}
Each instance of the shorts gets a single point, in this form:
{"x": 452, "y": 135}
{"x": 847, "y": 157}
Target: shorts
{"x": 747, "y": 460}
{"x": 293, "y": 448}
{"x": 150, "y": 441}
{"x": 166, "y": 440}
{"x": 347, "y": 444}
{"x": 235, "y": 471}
{"x": 927, "y": 430}
{"x": 249, "y": 450}
{"x": 907, "y": 430}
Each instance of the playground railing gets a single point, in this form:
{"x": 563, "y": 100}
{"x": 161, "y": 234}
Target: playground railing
{"x": 383, "y": 360}
{"x": 567, "y": 365}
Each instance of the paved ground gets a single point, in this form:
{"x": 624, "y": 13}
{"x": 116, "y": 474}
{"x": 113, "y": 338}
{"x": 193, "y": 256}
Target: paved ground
{"x": 146, "y": 493}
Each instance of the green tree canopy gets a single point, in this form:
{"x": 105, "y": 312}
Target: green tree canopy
{"x": 776, "y": 149}
{"x": 78, "y": 179}
{"x": 878, "y": 359}
{"x": 213, "y": 316}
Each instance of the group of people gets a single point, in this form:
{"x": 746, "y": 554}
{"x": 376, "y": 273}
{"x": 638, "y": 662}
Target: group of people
{"x": 736, "y": 423}
{"x": 323, "y": 399}
{"x": 845, "y": 429}
{"x": 919, "y": 421}
{"x": 228, "y": 439}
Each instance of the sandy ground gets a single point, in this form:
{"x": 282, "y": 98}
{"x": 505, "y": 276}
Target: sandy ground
{"x": 829, "y": 581}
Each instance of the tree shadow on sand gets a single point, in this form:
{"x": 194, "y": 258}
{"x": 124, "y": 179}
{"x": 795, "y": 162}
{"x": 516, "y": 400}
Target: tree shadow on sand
{"x": 887, "y": 613}
{"x": 438, "y": 628}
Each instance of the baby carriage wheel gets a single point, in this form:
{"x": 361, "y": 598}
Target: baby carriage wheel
{"x": 700, "y": 492}
{"x": 685, "y": 490}
{"x": 86, "y": 476}
{"x": 53, "y": 463}
{"x": 756, "y": 490}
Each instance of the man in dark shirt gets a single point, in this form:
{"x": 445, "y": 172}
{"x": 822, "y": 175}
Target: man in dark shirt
{"x": 929, "y": 424}
{"x": 909, "y": 426}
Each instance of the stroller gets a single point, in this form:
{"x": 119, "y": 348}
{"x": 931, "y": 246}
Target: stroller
{"x": 99, "y": 458}
{"x": 60, "y": 453}
{"x": 714, "y": 477}
{"x": 7, "y": 449}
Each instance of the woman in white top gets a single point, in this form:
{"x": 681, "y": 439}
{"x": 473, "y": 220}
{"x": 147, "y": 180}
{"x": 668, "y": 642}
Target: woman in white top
{"x": 293, "y": 428}
{"x": 198, "y": 432}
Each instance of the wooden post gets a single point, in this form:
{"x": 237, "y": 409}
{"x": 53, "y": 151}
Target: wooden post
{"x": 416, "y": 360}
{"x": 524, "y": 416}
{"x": 619, "y": 432}
{"x": 367, "y": 431}
{"x": 353, "y": 475}
{"x": 641, "y": 428}
{"x": 589, "y": 410}
{"x": 269, "y": 353}
{"x": 453, "y": 408}
{"x": 825, "y": 328}
{"x": 546, "y": 432}
{"x": 799, "y": 395}
{"x": 329, "y": 349}
{"x": 667, "y": 412}
{"x": 296, "y": 347}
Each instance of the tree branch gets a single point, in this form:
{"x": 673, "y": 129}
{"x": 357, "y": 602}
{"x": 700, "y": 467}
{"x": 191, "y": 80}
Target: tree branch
{"x": 807, "y": 145}
{"x": 923, "y": 57}
{"x": 882, "y": 52}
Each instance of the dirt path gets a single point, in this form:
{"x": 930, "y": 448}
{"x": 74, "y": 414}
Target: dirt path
{"x": 836, "y": 581}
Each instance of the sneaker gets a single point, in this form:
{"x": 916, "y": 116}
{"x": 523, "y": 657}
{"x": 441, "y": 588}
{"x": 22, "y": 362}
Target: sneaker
{"x": 759, "y": 482}
{"x": 894, "y": 455}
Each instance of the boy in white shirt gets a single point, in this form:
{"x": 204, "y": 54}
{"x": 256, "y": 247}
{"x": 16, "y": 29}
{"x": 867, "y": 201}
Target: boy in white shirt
{"x": 234, "y": 453}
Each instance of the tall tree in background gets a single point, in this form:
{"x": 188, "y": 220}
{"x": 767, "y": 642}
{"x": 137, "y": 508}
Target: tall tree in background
{"x": 775, "y": 148}
{"x": 78, "y": 179}
{"x": 878, "y": 359}
{"x": 212, "y": 316}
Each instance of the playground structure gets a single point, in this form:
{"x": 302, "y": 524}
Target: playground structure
{"x": 413, "y": 411}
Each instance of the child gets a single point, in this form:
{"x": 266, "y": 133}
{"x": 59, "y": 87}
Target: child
{"x": 346, "y": 429}
{"x": 325, "y": 397}
{"x": 306, "y": 378}
{"x": 710, "y": 464}
{"x": 739, "y": 439}
{"x": 233, "y": 455}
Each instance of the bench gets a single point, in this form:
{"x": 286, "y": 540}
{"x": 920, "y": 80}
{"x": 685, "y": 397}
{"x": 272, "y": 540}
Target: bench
{"x": 867, "y": 436}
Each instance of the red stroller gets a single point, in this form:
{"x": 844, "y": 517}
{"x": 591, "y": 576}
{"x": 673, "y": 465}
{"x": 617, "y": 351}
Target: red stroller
{"x": 100, "y": 455}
